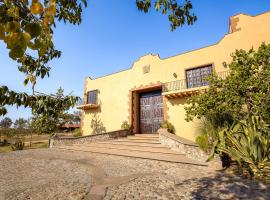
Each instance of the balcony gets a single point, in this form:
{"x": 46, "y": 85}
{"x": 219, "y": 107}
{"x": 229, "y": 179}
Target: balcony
{"x": 82, "y": 105}
{"x": 181, "y": 88}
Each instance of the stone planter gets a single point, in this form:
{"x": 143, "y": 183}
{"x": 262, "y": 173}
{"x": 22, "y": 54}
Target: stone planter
{"x": 187, "y": 147}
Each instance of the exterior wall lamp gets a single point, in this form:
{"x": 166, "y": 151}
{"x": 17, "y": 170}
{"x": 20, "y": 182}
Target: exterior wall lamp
{"x": 224, "y": 64}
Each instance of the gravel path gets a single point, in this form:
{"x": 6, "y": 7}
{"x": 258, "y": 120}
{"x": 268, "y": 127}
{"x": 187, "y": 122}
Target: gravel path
{"x": 60, "y": 174}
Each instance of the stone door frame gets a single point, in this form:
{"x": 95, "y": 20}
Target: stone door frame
{"x": 134, "y": 106}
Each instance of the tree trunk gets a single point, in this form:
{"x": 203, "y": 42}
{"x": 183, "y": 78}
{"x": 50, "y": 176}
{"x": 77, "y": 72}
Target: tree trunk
{"x": 31, "y": 136}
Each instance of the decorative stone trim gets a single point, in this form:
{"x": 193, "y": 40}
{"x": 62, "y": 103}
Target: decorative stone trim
{"x": 58, "y": 141}
{"x": 181, "y": 145}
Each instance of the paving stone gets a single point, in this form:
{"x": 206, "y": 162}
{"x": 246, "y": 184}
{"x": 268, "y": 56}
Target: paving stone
{"x": 59, "y": 174}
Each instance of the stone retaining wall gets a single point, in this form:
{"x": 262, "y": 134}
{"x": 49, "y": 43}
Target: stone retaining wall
{"x": 181, "y": 145}
{"x": 58, "y": 141}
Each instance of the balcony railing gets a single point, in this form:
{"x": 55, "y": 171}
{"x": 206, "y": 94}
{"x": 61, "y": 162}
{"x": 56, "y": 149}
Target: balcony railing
{"x": 182, "y": 84}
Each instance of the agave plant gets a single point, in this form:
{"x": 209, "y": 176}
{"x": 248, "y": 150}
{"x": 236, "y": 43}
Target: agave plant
{"x": 248, "y": 143}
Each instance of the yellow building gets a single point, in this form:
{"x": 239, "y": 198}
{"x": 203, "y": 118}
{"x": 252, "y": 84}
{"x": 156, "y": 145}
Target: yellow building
{"x": 156, "y": 89}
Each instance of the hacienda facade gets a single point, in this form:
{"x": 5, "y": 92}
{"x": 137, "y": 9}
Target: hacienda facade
{"x": 155, "y": 89}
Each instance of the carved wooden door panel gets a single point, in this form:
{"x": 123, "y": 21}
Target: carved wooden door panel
{"x": 151, "y": 111}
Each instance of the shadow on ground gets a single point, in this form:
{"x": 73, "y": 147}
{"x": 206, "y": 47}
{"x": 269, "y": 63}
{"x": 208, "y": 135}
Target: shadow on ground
{"x": 225, "y": 186}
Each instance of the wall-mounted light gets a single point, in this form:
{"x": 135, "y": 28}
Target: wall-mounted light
{"x": 224, "y": 64}
{"x": 174, "y": 75}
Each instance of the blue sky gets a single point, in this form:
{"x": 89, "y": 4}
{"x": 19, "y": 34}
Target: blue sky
{"x": 114, "y": 34}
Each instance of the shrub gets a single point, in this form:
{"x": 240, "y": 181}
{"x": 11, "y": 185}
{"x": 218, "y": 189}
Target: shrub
{"x": 18, "y": 145}
{"x": 125, "y": 126}
{"x": 77, "y": 133}
{"x": 167, "y": 125}
{"x": 4, "y": 143}
{"x": 203, "y": 142}
{"x": 248, "y": 143}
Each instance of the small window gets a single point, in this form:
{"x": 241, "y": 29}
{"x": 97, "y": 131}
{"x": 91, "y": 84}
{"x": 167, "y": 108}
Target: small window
{"x": 196, "y": 76}
{"x": 146, "y": 69}
{"x": 92, "y": 97}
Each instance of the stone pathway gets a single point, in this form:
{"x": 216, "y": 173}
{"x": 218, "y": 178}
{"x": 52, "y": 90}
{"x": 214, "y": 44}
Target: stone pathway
{"x": 60, "y": 174}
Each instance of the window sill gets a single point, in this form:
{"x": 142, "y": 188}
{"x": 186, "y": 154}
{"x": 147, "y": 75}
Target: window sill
{"x": 88, "y": 106}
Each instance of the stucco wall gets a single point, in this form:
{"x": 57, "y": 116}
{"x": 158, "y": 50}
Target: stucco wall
{"x": 114, "y": 89}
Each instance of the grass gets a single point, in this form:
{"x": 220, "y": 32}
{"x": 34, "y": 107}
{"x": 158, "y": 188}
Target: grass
{"x": 5, "y": 149}
{"x": 38, "y": 141}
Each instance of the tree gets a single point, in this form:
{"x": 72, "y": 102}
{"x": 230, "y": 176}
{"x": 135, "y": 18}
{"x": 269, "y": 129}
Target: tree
{"x": 245, "y": 92}
{"x": 178, "y": 14}
{"x": 73, "y": 118}
{"x": 20, "y": 123}
{"x": 239, "y": 100}
{"x": 26, "y": 29}
{"x": 47, "y": 123}
{"x": 6, "y": 122}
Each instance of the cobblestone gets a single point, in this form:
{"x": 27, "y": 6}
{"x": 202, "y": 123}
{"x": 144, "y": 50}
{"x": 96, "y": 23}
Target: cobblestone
{"x": 61, "y": 174}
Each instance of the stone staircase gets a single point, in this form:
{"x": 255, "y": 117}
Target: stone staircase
{"x": 146, "y": 146}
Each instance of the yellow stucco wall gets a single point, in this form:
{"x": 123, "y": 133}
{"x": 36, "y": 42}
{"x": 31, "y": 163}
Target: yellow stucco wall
{"x": 114, "y": 89}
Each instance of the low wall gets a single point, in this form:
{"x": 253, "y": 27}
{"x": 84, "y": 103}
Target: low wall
{"x": 181, "y": 145}
{"x": 58, "y": 141}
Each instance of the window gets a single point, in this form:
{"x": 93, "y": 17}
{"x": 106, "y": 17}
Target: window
{"x": 92, "y": 97}
{"x": 146, "y": 69}
{"x": 196, "y": 76}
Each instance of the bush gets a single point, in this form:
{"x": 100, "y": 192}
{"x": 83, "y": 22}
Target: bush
{"x": 167, "y": 125}
{"x": 19, "y": 145}
{"x": 11, "y": 132}
{"x": 125, "y": 126}
{"x": 4, "y": 143}
{"x": 248, "y": 143}
{"x": 203, "y": 142}
{"x": 77, "y": 133}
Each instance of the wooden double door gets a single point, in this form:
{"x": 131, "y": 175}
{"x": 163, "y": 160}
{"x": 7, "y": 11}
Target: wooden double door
{"x": 151, "y": 111}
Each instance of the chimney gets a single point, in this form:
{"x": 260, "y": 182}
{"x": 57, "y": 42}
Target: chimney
{"x": 234, "y": 24}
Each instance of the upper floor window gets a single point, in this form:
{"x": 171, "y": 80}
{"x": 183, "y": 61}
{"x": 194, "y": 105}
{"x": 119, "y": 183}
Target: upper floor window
{"x": 196, "y": 76}
{"x": 92, "y": 97}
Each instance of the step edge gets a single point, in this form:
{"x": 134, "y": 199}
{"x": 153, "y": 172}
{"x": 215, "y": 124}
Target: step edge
{"x": 172, "y": 153}
{"x": 137, "y": 145}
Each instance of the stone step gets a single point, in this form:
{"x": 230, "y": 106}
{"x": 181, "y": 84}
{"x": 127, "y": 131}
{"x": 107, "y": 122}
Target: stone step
{"x": 133, "y": 148}
{"x": 142, "y": 138}
{"x": 135, "y": 154}
{"x": 138, "y": 141}
{"x": 130, "y": 143}
{"x": 147, "y": 135}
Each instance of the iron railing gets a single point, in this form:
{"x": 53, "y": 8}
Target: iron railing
{"x": 183, "y": 84}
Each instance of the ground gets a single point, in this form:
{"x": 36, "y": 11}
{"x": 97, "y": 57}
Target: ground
{"x": 61, "y": 174}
